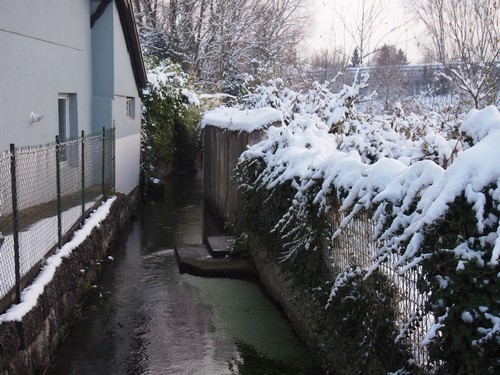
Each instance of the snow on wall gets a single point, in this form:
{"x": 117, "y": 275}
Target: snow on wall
{"x": 29, "y": 295}
{"x": 247, "y": 120}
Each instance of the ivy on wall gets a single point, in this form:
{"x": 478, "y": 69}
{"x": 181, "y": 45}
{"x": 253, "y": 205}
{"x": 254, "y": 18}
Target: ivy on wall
{"x": 438, "y": 216}
{"x": 354, "y": 334}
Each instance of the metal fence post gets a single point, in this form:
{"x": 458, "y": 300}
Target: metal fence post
{"x": 58, "y": 192}
{"x": 15, "y": 221}
{"x": 103, "y": 161}
{"x": 83, "y": 178}
{"x": 113, "y": 158}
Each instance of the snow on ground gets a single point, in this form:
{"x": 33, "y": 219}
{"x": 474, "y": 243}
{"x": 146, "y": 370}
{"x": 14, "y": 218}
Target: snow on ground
{"x": 39, "y": 238}
{"x": 29, "y": 295}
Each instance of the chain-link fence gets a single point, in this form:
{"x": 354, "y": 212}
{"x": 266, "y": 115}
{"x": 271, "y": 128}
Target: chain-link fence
{"x": 355, "y": 247}
{"x": 45, "y": 192}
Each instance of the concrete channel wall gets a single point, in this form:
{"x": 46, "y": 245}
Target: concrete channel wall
{"x": 336, "y": 335}
{"x": 27, "y": 346}
{"x": 221, "y": 150}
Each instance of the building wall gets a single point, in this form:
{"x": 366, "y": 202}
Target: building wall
{"x": 40, "y": 58}
{"x": 48, "y": 48}
{"x": 128, "y": 128}
{"x": 127, "y": 163}
{"x": 103, "y": 54}
{"x": 114, "y": 82}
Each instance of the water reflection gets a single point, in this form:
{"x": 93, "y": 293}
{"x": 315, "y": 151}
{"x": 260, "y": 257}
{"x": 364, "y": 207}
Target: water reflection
{"x": 266, "y": 342}
{"x": 178, "y": 218}
{"x": 152, "y": 320}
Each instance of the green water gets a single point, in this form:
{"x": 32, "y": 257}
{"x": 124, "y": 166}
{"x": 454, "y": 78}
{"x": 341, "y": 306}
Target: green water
{"x": 153, "y": 320}
{"x": 266, "y": 341}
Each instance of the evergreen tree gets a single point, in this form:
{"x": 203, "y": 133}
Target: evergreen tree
{"x": 388, "y": 78}
{"x": 355, "y": 59}
{"x": 402, "y": 58}
{"x": 389, "y": 55}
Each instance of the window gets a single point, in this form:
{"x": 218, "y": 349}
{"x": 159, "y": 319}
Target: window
{"x": 130, "y": 107}
{"x": 68, "y": 116}
{"x": 68, "y": 123}
{"x": 63, "y": 111}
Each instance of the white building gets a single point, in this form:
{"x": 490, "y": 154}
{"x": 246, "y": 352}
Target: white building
{"x": 78, "y": 64}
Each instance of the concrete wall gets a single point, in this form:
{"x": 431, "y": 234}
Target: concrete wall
{"x": 127, "y": 163}
{"x": 221, "y": 150}
{"x": 279, "y": 286}
{"x": 114, "y": 82}
{"x": 39, "y": 59}
{"x": 27, "y": 346}
{"x": 128, "y": 128}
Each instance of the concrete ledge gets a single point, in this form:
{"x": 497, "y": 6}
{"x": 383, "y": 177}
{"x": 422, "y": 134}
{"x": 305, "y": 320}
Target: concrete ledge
{"x": 195, "y": 260}
{"x": 220, "y": 246}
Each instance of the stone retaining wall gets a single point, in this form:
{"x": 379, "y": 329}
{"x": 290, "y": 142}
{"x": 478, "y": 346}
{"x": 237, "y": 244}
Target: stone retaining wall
{"x": 27, "y": 346}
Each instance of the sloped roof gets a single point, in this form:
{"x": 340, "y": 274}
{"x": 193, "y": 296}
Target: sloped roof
{"x": 132, "y": 39}
{"x": 127, "y": 20}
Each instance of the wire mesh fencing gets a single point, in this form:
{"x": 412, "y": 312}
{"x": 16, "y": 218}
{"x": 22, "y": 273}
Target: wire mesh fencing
{"x": 46, "y": 191}
{"x": 355, "y": 247}
{"x": 7, "y": 269}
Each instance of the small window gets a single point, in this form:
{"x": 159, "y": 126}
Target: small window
{"x": 68, "y": 126}
{"x": 63, "y": 111}
{"x": 130, "y": 108}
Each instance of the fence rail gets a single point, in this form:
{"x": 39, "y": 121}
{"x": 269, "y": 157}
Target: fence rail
{"x": 45, "y": 192}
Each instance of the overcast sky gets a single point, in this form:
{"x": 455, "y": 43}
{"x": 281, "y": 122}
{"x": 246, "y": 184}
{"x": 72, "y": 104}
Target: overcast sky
{"x": 327, "y": 28}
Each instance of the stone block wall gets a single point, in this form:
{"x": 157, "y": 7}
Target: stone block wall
{"x": 27, "y": 346}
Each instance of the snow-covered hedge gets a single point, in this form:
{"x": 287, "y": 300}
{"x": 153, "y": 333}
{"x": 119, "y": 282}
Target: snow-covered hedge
{"x": 170, "y": 117}
{"x": 407, "y": 138}
{"x": 432, "y": 188}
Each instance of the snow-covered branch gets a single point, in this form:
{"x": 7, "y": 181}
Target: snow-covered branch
{"x": 435, "y": 200}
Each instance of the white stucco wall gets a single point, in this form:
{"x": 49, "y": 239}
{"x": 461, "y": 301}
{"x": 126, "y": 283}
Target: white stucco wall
{"x": 127, "y": 156}
{"x": 45, "y": 49}
{"x": 127, "y": 161}
{"x": 103, "y": 76}
{"x": 48, "y": 47}
{"x": 124, "y": 86}
{"x": 114, "y": 82}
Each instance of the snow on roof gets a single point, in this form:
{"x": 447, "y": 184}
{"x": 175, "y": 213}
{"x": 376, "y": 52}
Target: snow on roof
{"x": 246, "y": 120}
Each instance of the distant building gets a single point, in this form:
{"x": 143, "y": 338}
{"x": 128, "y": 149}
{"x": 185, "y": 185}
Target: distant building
{"x": 68, "y": 66}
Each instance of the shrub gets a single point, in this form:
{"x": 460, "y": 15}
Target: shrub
{"x": 170, "y": 119}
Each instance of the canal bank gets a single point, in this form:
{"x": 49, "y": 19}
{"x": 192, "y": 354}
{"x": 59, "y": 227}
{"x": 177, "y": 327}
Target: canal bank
{"x": 153, "y": 319}
{"x": 31, "y": 331}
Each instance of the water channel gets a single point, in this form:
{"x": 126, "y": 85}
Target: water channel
{"x": 153, "y": 320}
